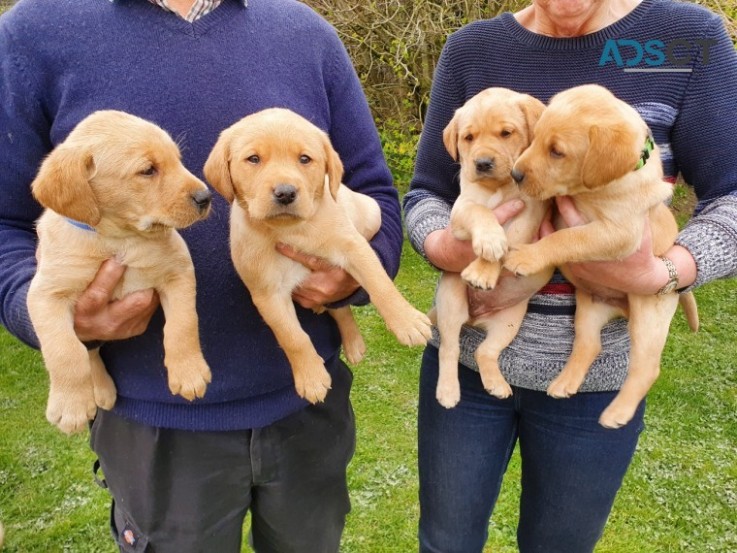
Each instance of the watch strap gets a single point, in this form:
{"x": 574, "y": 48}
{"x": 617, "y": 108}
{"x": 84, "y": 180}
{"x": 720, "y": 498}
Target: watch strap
{"x": 672, "y": 283}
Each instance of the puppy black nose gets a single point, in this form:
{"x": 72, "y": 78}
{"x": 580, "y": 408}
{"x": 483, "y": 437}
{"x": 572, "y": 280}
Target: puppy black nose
{"x": 285, "y": 194}
{"x": 518, "y": 176}
{"x": 202, "y": 199}
{"x": 484, "y": 164}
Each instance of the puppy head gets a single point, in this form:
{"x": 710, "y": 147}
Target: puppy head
{"x": 275, "y": 163}
{"x": 489, "y": 132}
{"x": 585, "y": 139}
{"x": 120, "y": 173}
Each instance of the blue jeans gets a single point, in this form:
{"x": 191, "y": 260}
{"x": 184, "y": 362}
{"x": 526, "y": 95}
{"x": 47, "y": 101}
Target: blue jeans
{"x": 571, "y": 466}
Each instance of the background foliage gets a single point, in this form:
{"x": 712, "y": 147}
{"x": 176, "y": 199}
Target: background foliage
{"x": 396, "y": 43}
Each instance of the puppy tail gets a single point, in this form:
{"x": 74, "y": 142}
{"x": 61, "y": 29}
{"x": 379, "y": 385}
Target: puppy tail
{"x": 690, "y": 309}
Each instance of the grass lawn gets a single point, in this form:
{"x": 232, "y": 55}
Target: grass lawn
{"x": 680, "y": 494}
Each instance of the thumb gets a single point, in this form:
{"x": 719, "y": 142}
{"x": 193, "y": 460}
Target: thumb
{"x": 567, "y": 209}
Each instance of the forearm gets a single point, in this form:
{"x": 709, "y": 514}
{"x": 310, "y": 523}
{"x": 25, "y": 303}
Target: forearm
{"x": 14, "y": 312}
{"x": 424, "y": 215}
{"x": 710, "y": 239}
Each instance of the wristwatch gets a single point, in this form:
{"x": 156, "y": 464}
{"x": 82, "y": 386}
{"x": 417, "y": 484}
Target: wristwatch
{"x": 672, "y": 283}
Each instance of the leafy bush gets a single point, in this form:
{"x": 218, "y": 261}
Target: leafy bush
{"x": 399, "y": 148}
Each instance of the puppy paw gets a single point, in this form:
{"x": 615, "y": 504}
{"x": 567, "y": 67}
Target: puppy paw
{"x": 354, "y": 349}
{"x": 103, "y": 387}
{"x": 412, "y": 328}
{"x": 564, "y": 386}
{"x": 523, "y": 261}
{"x": 448, "y": 394}
{"x": 312, "y": 383}
{"x": 105, "y": 396}
{"x": 490, "y": 245}
{"x": 617, "y": 414}
{"x": 496, "y": 386}
{"x": 71, "y": 410}
{"x": 189, "y": 378}
{"x": 482, "y": 274}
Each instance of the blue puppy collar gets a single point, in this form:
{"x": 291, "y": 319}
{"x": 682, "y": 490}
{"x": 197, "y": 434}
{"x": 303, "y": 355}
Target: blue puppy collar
{"x": 78, "y": 224}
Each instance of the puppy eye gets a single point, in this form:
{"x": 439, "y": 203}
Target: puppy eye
{"x": 254, "y": 159}
{"x": 149, "y": 171}
{"x": 506, "y": 133}
{"x": 305, "y": 159}
{"x": 555, "y": 153}
{"x": 468, "y": 138}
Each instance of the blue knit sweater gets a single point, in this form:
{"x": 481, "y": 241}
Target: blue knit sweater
{"x": 60, "y": 60}
{"x": 687, "y": 93}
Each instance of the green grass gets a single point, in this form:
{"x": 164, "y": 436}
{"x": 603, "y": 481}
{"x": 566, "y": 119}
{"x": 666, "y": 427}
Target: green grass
{"x": 679, "y": 495}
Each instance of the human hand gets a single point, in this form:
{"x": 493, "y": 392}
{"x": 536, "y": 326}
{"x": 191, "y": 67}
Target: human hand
{"x": 97, "y": 316}
{"x": 510, "y": 290}
{"x": 326, "y": 283}
{"x": 449, "y": 254}
{"x": 639, "y": 273}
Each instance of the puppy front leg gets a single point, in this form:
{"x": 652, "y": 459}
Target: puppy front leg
{"x": 410, "y": 326}
{"x": 475, "y": 222}
{"x": 311, "y": 379}
{"x": 187, "y": 369}
{"x": 649, "y": 322}
{"x": 71, "y": 402}
{"x": 596, "y": 241}
{"x": 471, "y": 220}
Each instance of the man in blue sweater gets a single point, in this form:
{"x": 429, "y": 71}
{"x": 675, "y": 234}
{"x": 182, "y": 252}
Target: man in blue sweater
{"x": 183, "y": 475}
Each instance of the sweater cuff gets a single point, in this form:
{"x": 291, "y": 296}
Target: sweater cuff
{"x": 426, "y": 216}
{"x": 711, "y": 238}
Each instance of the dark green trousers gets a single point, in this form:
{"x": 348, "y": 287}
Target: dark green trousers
{"x": 177, "y": 491}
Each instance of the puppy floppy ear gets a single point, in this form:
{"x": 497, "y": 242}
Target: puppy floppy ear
{"x": 450, "y": 137}
{"x": 532, "y": 109}
{"x": 610, "y": 155}
{"x": 333, "y": 169}
{"x": 63, "y": 184}
{"x": 217, "y": 168}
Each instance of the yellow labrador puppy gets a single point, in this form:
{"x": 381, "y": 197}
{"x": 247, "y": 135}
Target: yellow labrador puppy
{"x": 116, "y": 187}
{"x": 486, "y": 135}
{"x": 597, "y": 149}
{"x": 283, "y": 178}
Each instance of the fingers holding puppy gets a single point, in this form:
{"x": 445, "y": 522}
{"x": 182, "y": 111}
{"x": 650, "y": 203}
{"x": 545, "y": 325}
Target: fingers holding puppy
{"x": 327, "y": 283}
{"x": 97, "y": 316}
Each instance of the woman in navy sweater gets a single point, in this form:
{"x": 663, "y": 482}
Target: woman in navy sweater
{"x": 674, "y": 63}
{"x": 183, "y": 475}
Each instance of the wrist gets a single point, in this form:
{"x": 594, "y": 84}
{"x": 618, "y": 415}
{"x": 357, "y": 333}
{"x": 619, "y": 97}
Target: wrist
{"x": 671, "y": 282}
{"x": 446, "y": 252}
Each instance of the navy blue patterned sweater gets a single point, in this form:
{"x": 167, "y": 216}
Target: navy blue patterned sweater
{"x": 685, "y": 87}
{"x": 60, "y": 60}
